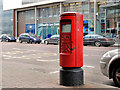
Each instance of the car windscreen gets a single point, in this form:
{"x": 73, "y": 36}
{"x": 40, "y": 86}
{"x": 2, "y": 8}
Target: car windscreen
{"x": 9, "y": 35}
{"x": 54, "y": 36}
{"x": 32, "y": 35}
{"x": 98, "y": 36}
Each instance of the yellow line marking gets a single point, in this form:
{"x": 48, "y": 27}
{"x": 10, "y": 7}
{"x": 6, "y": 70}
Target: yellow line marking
{"x": 85, "y": 55}
{"x": 23, "y": 56}
{"x": 55, "y": 54}
{"x": 46, "y": 60}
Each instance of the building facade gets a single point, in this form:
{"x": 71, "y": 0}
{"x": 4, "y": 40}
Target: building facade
{"x": 6, "y": 20}
{"x": 42, "y": 17}
{"x": 109, "y": 16}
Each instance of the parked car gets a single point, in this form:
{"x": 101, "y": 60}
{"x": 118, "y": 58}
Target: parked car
{"x": 117, "y": 38}
{"x": 29, "y": 38}
{"x": 97, "y": 40}
{"x": 52, "y": 40}
{"x": 110, "y": 65}
{"x": 7, "y": 38}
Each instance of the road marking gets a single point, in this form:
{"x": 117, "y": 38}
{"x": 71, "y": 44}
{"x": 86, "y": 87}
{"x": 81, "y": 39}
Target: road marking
{"x": 16, "y": 57}
{"x": 38, "y": 57}
{"x": 23, "y": 56}
{"x": 9, "y": 56}
{"x": 18, "y": 51}
{"x": 26, "y": 58}
{"x": 4, "y": 55}
{"x": 32, "y": 50}
{"x": 6, "y": 58}
{"x": 54, "y": 72}
{"x": 16, "y": 48}
{"x": 87, "y": 66}
{"x": 46, "y": 60}
{"x": 85, "y": 55}
{"x": 55, "y": 54}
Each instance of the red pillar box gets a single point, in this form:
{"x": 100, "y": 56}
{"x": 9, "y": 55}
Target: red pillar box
{"x": 71, "y": 49}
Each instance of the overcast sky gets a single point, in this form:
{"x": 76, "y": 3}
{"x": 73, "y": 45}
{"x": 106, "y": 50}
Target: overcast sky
{"x": 10, "y": 4}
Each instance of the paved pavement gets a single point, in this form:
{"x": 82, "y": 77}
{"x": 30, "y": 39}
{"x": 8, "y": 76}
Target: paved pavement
{"x": 37, "y": 66}
{"x": 47, "y": 81}
{"x": 116, "y": 45}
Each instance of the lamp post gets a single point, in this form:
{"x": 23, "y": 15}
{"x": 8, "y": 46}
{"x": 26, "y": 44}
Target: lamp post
{"x": 118, "y": 28}
{"x": 95, "y": 17}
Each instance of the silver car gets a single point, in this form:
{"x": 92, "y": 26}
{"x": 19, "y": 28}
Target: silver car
{"x": 110, "y": 65}
{"x": 52, "y": 40}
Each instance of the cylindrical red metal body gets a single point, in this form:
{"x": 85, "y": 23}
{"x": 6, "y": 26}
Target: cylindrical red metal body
{"x": 71, "y": 40}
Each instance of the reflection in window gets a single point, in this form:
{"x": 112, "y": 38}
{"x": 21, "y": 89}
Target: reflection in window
{"x": 65, "y": 7}
{"x": 85, "y": 7}
{"x": 92, "y": 7}
{"x": 30, "y": 16}
{"x": 44, "y": 12}
{"x": 72, "y": 7}
{"x": 79, "y": 7}
{"x": 50, "y": 12}
{"x": 55, "y": 11}
{"x": 40, "y": 12}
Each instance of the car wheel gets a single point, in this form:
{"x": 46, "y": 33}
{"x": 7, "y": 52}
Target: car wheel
{"x": 116, "y": 76}
{"x": 20, "y": 41}
{"x": 30, "y": 41}
{"x": 58, "y": 43}
{"x": 107, "y": 45}
{"x": 97, "y": 44}
{"x": 7, "y": 40}
{"x": 38, "y": 42}
{"x": 46, "y": 42}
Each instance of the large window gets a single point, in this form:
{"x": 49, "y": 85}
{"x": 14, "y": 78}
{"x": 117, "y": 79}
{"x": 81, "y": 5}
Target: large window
{"x": 65, "y": 7}
{"x": 30, "y": 21}
{"x": 72, "y": 7}
{"x": 79, "y": 7}
{"x": 30, "y": 16}
{"x": 51, "y": 11}
{"x": 46, "y": 30}
{"x": 56, "y": 10}
{"x": 85, "y": 7}
{"x": 92, "y": 7}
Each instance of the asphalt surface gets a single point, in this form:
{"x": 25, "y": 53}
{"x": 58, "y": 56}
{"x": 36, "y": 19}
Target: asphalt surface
{"x": 37, "y": 65}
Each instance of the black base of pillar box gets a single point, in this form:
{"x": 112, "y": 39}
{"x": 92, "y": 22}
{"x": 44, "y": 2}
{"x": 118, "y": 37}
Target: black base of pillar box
{"x": 71, "y": 76}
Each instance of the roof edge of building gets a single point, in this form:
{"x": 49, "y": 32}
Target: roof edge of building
{"x": 40, "y": 3}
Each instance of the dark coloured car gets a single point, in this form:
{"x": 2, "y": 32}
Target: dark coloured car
{"x": 52, "y": 40}
{"x": 29, "y": 38}
{"x": 97, "y": 40}
{"x": 7, "y": 38}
